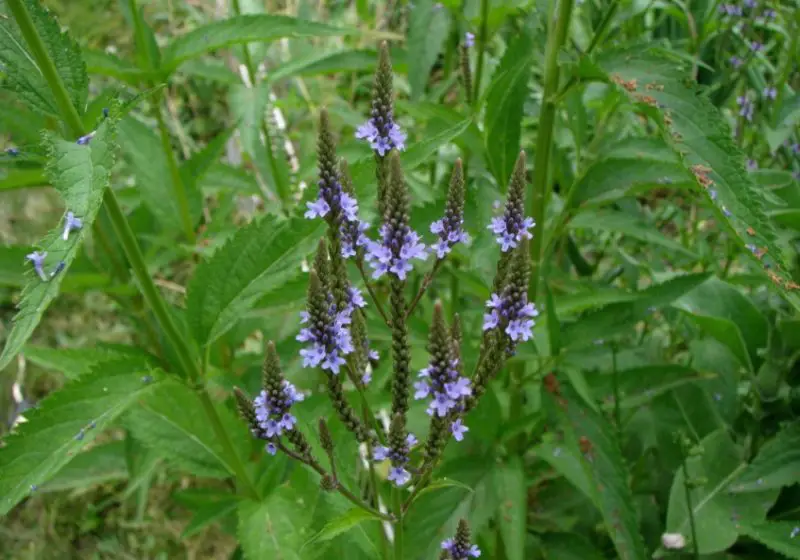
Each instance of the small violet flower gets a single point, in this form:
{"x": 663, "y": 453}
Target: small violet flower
{"x": 399, "y": 245}
{"x": 37, "y": 258}
{"x": 746, "y": 107}
{"x": 458, "y": 429}
{"x": 469, "y": 40}
{"x": 399, "y": 458}
{"x": 71, "y": 223}
{"x": 735, "y": 61}
{"x": 458, "y": 552}
{"x": 84, "y": 140}
{"x": 770, "y": 93}
{"x": 329, "y": 338}
{"x": 382, "y": 135}
{"x": 514, "y": 315}
{"x": 443, "y": 383}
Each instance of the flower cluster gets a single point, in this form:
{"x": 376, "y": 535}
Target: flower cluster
{"x": 381, "y": 130}
{"x": 746, "y": 107}
{"x": 329, "y": 339}
{"x": 399, "y": 244}
{"x": 450, "y": 228}
{"x": 442, "y": 382}
{"x": 514, "y": 314}
{"x": 272, "y": 413}
{"x": 398, "y": 456}
{"x": 469, "y": 39}
{"x": 459, "y": 547}
{"x": 512, "y": 227}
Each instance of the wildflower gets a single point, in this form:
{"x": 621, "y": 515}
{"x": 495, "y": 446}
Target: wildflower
{"x": 727, "y": 212}
{"x": 674, "y": 541}
{"x": 327, "y": 334}
{"x": 770, "y": 93}
{"x": 750, "y": 4}
{"x": 381, "y": 130}
{"x": 399, "y": 243}
{"x": 745, "y": 107}
{"x": 459, "y": 547}
{"x": 770, "y": 14}
{"x": 71, "y": 223}
{"x": 13, "y": 152}
{"x": 37, "y": 258}
{"x": 510, "y": 310}
{"x": 756, "y": 46}
{"x": 450, "y": 228}
{"x": 59, "y": 267}
{"x": 352, "y": 232}
{"x": 397, "y": 452}
{"x": 84, "y": 140}
{"x": 458, "y": 429}
{"x": 469, "y": 39}
{"x": 735, "y": 61}
{"x": 752, "y": 165}
{"x": 512, "y": 227}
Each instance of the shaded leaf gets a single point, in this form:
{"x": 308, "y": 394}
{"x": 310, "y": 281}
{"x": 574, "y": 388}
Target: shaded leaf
{"x": 777, "y": 463}
{"x": 64, "y": 423}
{"x": 781, "y": 536}
{"x": 100, "y": 464}
{"x": 428, "y": 27}
{"x": 341, "y": 524}
{"x": 274, "y": 528}
{"x": 74, "y": 362}
{"x": 512, "y": 492}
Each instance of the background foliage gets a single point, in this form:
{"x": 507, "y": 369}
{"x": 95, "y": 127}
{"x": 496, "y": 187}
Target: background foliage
{"x": 659, "y": 395}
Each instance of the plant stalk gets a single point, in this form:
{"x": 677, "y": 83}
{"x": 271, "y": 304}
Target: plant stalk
{"x": 398, "y": 525}
{"x": 482, "y": 36}
{"x": 690, "y": 508}
{"x": 541, "y": 166}
{"x": 178, "y": 185}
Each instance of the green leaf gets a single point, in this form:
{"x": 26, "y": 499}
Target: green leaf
{"x": 638, "y": 386}
{"x": 195, "y": 168}
{"x": 604, "y": 469}
{"x": 699, "y": 133}
{"x": 80, "y": 174}
{"x": 780, "y": 536}
{"x": 427, "y": 31}
{"x": 104, "y": 64}
{"x": 261, "y": 256}
{"x": 717, "y": 512}
{"x": 276, "y": 527}
{"x": 505, "y": 101}
{"x": 776, "y": 464}
{"x": 512, "y": 516}
{"x": 207, "y": 508}
{"x": 729, "y": 316}
{"x": 343, "y": 523}
{"x": 100, "y": 464}
{"x": 569, "y": 546}
{"x": 616, "y": 318}
{"x": 626, "y": 224}
{"x": 633, "y": 166}
{"x": 172, "y": 421}
{"x": 64, "y": 423}
{"x": 22, "y": 178}
{"x": 23, "y": 76}
{"x": 243, "y": 29}
{"x": 142, "y": 149}
{"x": 74, "y": 362}
{"x": 317, "y": 63}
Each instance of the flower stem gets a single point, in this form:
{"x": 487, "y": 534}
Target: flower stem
{"x": 559, "y": 28}
{"x": 425, "y": 283}
{"x": 398, "y": 525}
{"x": 688, "y": 492}
{"x": 482, "y": 36}
{"x": 375, "y": 300}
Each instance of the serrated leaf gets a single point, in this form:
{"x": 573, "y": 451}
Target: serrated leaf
{"x": 99, "y": 464}
{"x": 62, "y": 425}
{"x": 143, "y": 151}
{"x": 104, "y": 64}
{"x": 172, "y": 421}
{"x": 341, "y": 524}
{"x": 781, "y": 536}
{"x": 628, "y": 225}
{"x": 640, "y": 385}
{"x": 23, "y": 75}
{"x": 700, "y": 134}
{"x": 81, "y": 174}
{"x": 74, "y": 362}
{"x": 209, "y": 508}
{"x": 243, "y": 29}
{"x": 776, "y": 465}
{"x": 427, "y": 30}
{"x": 604, "y": 469}
{"x": 717, "y": 511}
{"x": 505, "y": 101}
{"x": 275, "y": 527}
{"x": 618, "y": 317}
{"x": 261, "y": 257}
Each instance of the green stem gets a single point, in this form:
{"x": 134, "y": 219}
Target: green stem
{"x": 482, "y": 36}
{"x": 47, "y": 66}
{"x": 688, "y": 492}
{"x": 178, "y": 186}
{"x": 541, "y": 167}
{"x": 398, "y": 524}
{"x": 615, "y": 381}
{"x": 126, "y": 238}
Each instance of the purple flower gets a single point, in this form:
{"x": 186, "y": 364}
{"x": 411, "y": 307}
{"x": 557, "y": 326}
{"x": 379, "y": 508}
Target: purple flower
{"x": 511, "y": 228}
{"x": 355, "y": 297}
{"x": 735, "y": 61}
{"x": 442, "y": 381}
{"x": 272, "y": 412}
{"x": 380, "y": 453}
{"x": 459, "y": 552}
{"x": 469, "y": 40}
{"x": 84, "y": 140}
{"x": 752, "y": 165}
{"x": 411, "y": 440}
{"x": 515, "y": 315}
{"x": 770, "y": 93}
{"x": 440, "y": 405}
{"x": 13, "y": 152}
{"x": 458, "y": 388}
{"x": 458, "y": 429}
{"x": 745, "y": 107}
{"x": 755, "y": 46}
{"x": 399, "y": 476}
{"x": 750, "y": 3}
{"x": 399, "y": 245}
{"x": 450, "y": 231}
{"x": 271, "y": 448}
{"x": 382, "y": 136}
{"x": 329, "y": 338}
{"x": 770, "y": 14}
{"x": 318, "y": 208}
{"x": 71, "y": 223}
{"x": 727, "y": 212}
{"x": 37, "y": 258}
{"x": 353, "y": 237}
{"x": 422, "y": 390}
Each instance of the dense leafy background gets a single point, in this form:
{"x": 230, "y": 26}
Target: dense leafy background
{"x": 664, "y": 358}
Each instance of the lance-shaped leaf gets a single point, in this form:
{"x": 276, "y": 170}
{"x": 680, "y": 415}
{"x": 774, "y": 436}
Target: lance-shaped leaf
{"x": 428, "y": 27}
{"x": 66, "y": 422}
{"x": 243, "y": 29}
{"x": 80, "y": 173}
{"x": 780, "y": 536}
{"x": 23, "y": 76}
{"x": 259, "y": 258}
{"x": 777, "y": 463}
